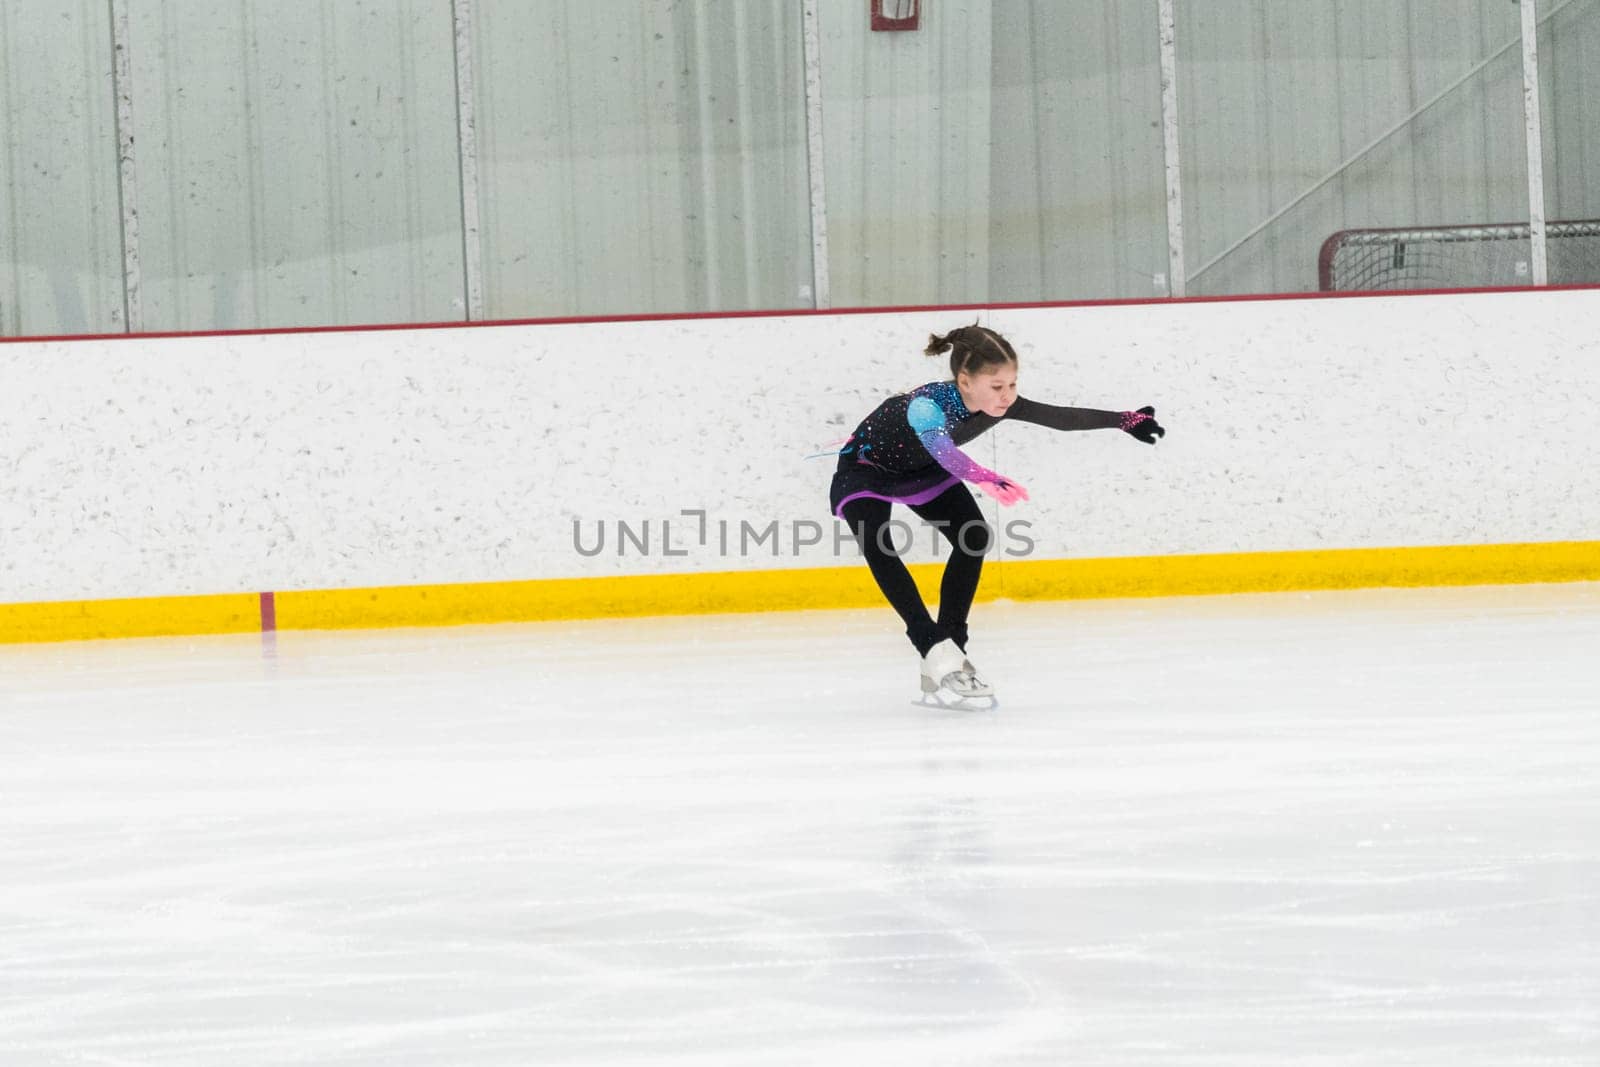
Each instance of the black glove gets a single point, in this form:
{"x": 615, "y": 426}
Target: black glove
{"x": 1143, "y": 425}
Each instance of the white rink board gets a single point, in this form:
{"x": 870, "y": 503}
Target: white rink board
{"x": 152, "y": 467}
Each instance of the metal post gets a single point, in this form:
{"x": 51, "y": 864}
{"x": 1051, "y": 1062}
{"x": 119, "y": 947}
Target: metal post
{"x": 710, "y": 227}
{"x": 747, "y": 165}
{"x": 1176, "y": 282}
{"x": 812, "y": 33}
{"x": 127, "y": 186}
{"x": 467, "y": 149}
{"x": 1531, "y": 120}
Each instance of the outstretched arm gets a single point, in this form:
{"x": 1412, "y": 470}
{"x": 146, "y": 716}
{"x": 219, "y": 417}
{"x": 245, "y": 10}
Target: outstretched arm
{"x": 927, "y": 419}
{"x": 1060, "y": 418}
{"x": 1141, "y": 424}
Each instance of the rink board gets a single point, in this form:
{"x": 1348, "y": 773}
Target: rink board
{"x": 833, "y": 587}
{"x": 456, "y": 473}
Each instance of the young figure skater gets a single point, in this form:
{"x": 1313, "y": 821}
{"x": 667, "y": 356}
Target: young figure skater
{"x": 907, "y": 451}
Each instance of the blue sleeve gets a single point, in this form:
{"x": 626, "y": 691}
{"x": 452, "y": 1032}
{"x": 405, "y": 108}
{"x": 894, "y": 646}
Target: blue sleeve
{"x": 927, "y": 419}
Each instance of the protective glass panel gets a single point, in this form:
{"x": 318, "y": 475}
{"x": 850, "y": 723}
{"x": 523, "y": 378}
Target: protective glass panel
{"x": 1002, "y": 152}
{"x": 638, "y": 158}
{"x": 1308, "y": 129}
{"x": 297, "y": 163}
{"x": 60, "y": 249}
{"x": 1569, "y": 85}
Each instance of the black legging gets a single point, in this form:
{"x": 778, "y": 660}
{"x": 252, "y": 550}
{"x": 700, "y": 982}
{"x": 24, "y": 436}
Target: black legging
{"x": 962, "y": 524}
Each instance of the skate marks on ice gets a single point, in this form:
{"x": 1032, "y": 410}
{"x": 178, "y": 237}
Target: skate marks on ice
{"x": 1338, "y": 828}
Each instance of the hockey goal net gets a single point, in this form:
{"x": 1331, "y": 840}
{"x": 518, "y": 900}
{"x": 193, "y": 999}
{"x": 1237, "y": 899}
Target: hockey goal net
{"x": 1457, "y": 257}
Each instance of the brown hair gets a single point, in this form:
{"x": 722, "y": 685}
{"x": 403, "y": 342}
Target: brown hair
{"x": 973, "y": 349}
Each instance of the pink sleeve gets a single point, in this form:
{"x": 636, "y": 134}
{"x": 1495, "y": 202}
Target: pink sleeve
{"x": 927, "y": 418}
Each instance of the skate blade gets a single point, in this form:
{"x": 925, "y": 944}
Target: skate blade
{"x": 943, "y": 698}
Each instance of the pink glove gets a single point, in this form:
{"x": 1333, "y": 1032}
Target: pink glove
{"x": 1004, "y": 490}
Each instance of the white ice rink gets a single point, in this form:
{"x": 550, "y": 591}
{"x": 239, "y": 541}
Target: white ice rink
{"x": 1342, "y": 828}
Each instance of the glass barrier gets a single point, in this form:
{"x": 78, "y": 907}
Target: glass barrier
{"x": 996, "y": 153}
{"x": 301, "y": 163}
{"x": 1306, "y": 127}
{"x": 640, "y": 158}
{"x": 1569, "y": 87}
{"x": 295, "y": 164}
{"x": 60, "y": 244}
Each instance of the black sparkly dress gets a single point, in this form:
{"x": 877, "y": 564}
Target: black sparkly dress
{"x": 908, "y": 450}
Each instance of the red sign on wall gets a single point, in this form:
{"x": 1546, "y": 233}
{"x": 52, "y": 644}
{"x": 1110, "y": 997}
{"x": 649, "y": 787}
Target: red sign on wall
{"x": 896, "y": 14}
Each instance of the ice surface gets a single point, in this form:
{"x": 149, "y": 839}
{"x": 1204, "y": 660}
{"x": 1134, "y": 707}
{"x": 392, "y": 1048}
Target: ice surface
{"x": 1353, "y": 828}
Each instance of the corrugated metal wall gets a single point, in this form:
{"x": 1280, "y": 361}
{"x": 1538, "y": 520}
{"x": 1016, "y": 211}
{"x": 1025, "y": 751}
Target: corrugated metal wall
{"x": 907, "y": 142}
{"x": 60, "y": 225}
{"x": 298, "y": 162}
{"x": 1079, "y": 204}
{"x": 642, "y": 157}
{"x": 1569, "y": 78}
{"x": 1276, "y": 96}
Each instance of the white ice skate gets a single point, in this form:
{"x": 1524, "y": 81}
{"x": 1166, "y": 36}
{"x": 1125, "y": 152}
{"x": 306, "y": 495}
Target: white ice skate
{"x": 949, "y": 680}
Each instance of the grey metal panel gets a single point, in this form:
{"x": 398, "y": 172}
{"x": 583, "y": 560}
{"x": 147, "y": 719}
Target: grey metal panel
{"x": 1279, "y": 97}
{"x": 642, "y": 158}
{"x": 1076, "y": 168}
{"x": 906, "y": 126}
{"x": 1470, "y": 157}
{"x": 1496, "y": 93}
{"x": 298, "y": 160}
{"x": 297, "y": 163}
{"x": 60, "y": 253}
{"x": 567, "y": 133}
{"x": 1222, "y": 117}
{"x": 744, "y": 138}
{"x": 1301, "y": 141}
{"x": 1371, "y": 91}
{"x": 1569, "y": 64}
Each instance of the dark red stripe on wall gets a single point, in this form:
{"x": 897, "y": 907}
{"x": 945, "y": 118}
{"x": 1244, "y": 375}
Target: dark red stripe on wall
{"x": 582, "y": 320}
{"x": 269, "y": 613}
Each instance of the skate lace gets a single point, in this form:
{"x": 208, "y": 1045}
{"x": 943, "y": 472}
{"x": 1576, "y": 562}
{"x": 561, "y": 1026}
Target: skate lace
{"x": 965, "y": 678}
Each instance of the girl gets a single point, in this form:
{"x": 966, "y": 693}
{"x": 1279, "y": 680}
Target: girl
{"x": 907, "y": 452}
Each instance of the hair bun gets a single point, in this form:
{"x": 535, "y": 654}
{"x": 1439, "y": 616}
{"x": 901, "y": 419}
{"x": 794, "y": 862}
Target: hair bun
{"x": 937, "y": 345}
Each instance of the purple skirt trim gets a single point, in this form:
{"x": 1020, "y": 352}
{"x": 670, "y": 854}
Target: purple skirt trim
{"x": 920, "y": 497}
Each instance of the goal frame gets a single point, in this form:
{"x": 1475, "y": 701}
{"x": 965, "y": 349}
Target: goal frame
{"x": 1447, "y": 234}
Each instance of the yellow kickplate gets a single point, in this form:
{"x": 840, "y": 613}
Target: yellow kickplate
{"x": 784, "y": 590}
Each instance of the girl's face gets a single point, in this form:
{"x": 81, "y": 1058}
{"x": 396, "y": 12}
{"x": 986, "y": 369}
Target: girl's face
{"x": 990, "y": 391}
